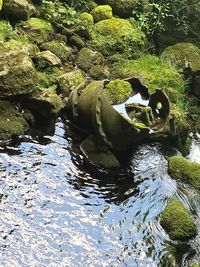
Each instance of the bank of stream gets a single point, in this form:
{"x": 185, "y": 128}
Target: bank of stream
{"x": 55, "y": 212}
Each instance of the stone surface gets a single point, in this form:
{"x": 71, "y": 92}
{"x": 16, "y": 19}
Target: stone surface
{"x": 46, "y": 59}
{"x": 177, "y": 221}
{"x": 20, "y": 9}
{"x": 17, "y": 73}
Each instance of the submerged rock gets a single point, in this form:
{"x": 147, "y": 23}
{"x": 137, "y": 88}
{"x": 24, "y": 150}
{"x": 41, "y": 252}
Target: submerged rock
{"x": 19, "y": 9}
{"x": 18, "y": 74}
{"x": 114, "y": 35}
{"x": 177, "y": 221}
{"x": 185, "y": 170}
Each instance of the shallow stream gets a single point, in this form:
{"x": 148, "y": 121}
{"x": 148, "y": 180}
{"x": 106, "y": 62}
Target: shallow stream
{"x": 55, "y": 212}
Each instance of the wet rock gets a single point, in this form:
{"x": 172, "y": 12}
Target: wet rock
{"x": 115, "y": 35}
{"x": 98, "y": 156}
{"x": 46, "y": 59}
{"x": 44, "y": 102}
{"x": 14, "y": 120}
{"x": 59, "y": 49}
{"x": 102, "y": 12}
{"x": 17, "y": 73}
{"x": 186, "y": 57}
{"x": 36, "y": 30}
{"x": 19, "y": 9}
{"x": 177, "y": 221}
{"x": 70, "y": 80}
{"x": 88, "y": 58}
{"x": 99, "y": 72}
{"x": 185, "y": 170}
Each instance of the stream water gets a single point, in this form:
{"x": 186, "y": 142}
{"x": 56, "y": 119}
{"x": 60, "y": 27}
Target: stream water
{"x": 55, "y": 212}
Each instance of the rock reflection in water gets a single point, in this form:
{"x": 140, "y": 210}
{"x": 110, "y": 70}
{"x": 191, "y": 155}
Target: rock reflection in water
{"x": 56, "y": 213}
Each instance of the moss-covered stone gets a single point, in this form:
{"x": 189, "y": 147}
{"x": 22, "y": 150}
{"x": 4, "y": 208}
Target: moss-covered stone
{"x": 185, "y": 170}
{"x": 99, "y": 72}
{"x": 19, "y": 9}
{"x": 76, "y": 41}
{"x": 1, "y": 4}
{"x": 177, "y": 221}
{"x": 46, "y": 59}
{"x": 102, "y": 12}
{"x": 118, "y": 91}
{"x": 21, "y": 45}
{"x": 83, "y": 24}
{"x": 59, "y": 49}
{"x": 91, "y": 4}
{"x": 18, "y": 74}
{"x": 44, "y": 102}
{"x": 13, "y": 120}
{"x": 70, "y": 80}
{"x": 88, "y": 58}
{"x": 6, "y": 31}
{"x": 117, "y": 35}
{"x": 194, "y": 263}
{"x": 48, "y": 77}
{"x": 86, "y": 18}
{"x": 186, "y": 57}
{"x": 98, "y": 156}
{"x": 36, "y": 30}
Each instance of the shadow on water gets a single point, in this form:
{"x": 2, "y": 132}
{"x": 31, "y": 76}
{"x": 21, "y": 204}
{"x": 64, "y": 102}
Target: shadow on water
{"x": 57, "y": 212}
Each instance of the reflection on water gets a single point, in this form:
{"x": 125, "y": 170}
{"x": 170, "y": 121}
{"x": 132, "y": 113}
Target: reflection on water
{"x": 55, "y": 213}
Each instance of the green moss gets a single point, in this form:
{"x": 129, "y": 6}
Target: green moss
{"x": 59, "y": 49}
{"x": 88, "y": 58}
{"x": 36, "y": 30}
{"x": 6, "y": 31}
{"x": 177, "y": 221}
{"x": 194, "y": 264}
{"x": 183, "y": 55}
{"x": 1, "y": 4}
{"x": 117, "y": 35}
{"x": 12, "y": 121}
{"x": 69, "y": 80}
{"x": 48, "y": 77}
{"x": 86, "y": 19}
{"x": 156, "y": 73}
{"x": 118, "y": 91}
{"x": 185, "y": 170}
{"x": 102, "y": 12}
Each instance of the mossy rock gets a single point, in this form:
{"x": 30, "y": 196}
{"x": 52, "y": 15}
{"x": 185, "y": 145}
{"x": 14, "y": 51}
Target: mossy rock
{"x": 36, "y": 30}
{"x": 91, "y": 4}
{"x": 156, "y": 73}
{"x": 18, "y": 9}
{"x": 83, "y": 24}
{"x": 123, "y": 8}
{"x": 46, "y": 59}
{"x": 98, "y": 156}
{"x": 44, "y": 102}
{"x": 177, "y": 221}
{"x": 14, "y": 121}
{"x": 88, "y": 58}
{"x": 18, "y": 75}
{"x": 185, "y": 170}
{"x": 59, "y": 49}
{"x": 99, "y": 72}
{"x": 48, "y": 77}
{"x": 194, "y": 263}
{"x": 22, "y": 45}
{"x": 70, "y": 80}
{"x": 76, "y": 41}
{"x": 118, "y": 91}
{"x": 6, "y": 31}
{"x": 102, "y": 12}
{"x": 1, "y": 4}
{"x": 117, "y": 35}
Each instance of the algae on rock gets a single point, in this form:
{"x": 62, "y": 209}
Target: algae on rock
{"x": 185, "y": 170}
{"x": 177, "y": 221}
{"x": 114, "y": 35}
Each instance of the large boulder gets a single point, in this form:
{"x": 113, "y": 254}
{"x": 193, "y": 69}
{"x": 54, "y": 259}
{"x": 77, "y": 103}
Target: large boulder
{"x": 19, "y": 9}
{"x": 186, "y": 58}
{"x": 17, "y": 73}
{"x": 114, "y": 35}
